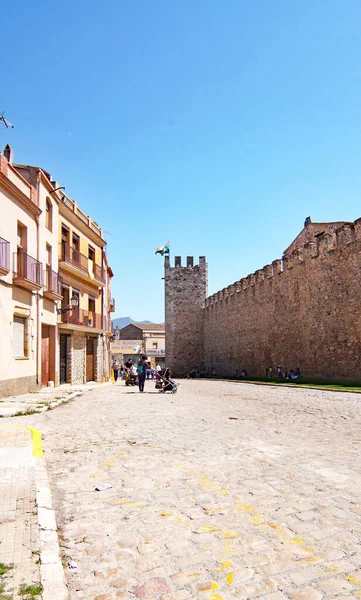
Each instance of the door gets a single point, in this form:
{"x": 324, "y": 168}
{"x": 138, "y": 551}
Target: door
{"x": 91, "y": 312}
{"x": 45, "y": 355}
{"x": 64, "y": 243}
{"x": 63, "y": 357}
{"x": 90, "y": 359}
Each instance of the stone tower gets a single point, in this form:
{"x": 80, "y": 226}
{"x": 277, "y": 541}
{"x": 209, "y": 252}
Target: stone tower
{"x": 186, "y": 289}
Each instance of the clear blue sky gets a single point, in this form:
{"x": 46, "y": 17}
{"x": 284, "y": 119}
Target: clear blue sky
{"x": 217, "y": 126}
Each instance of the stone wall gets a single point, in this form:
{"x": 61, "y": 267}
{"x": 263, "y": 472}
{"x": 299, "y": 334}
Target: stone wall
{"x": 185, "y": 294}
{"x": 301, "y": 311}
{"x": 98, "y": 359}
{"x": 78, "y": 359}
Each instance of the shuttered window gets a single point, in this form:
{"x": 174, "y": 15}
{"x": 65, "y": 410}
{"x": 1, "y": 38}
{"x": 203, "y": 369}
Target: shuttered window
{"x": 19, "y": 337}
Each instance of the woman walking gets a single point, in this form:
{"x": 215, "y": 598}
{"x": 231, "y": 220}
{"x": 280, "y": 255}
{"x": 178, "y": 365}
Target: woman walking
{"x": 143, "y": 365}
{"x": 116, "y": 366}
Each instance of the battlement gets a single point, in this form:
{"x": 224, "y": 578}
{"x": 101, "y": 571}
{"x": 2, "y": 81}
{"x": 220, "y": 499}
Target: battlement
{"x": 342, "y": 239}
{"x": 189, "y": 263}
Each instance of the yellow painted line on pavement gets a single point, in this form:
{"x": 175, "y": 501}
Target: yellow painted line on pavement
{"x": 37, "y": 442}
{"x": 35, "y": 438}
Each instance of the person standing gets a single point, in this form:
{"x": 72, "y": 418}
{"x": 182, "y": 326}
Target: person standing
{"x": 143, "y": 365}
{"x": 116, "y": 366}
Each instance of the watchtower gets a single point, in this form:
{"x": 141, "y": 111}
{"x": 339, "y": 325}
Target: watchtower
{"x": 186, "y": 289}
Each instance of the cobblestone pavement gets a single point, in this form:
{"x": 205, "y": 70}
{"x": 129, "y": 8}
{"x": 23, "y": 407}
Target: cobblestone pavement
{"x": 19, "y": 531}
{"x": 224, "y": 490}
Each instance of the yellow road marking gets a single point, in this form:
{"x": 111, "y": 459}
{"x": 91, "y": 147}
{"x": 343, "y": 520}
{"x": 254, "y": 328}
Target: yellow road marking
{"x": 35, "y": 438}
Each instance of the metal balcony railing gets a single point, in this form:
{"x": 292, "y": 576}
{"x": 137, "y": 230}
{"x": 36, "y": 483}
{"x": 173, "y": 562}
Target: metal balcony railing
{"x": 27, "y": 267}
{"x": 73, "y": 257}
{"x": 52, "y": 282}
{"x": 79, "y": 260}
{"x": 4, "y": 255}
{"x": 84, "y": 318}
{"x": 99, "y": 272}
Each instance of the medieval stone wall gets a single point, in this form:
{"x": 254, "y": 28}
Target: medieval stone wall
{"x": 301, "y": 311}
{"x": 185, "y": 294}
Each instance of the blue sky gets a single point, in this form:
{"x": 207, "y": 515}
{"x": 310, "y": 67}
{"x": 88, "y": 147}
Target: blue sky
{"x": 217, "y": 126}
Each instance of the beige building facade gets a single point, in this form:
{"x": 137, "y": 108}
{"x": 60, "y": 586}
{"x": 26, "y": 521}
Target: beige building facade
{"x": 84, "y": 331}
{"x": 29, "y": 281}
{"x": 140, "y": 338}
{"x": 44, "y": 340}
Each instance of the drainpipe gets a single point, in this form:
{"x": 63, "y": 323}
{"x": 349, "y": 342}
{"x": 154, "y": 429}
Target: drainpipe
{"x": 38, "y": 336}
{"x": 103, "y": 337}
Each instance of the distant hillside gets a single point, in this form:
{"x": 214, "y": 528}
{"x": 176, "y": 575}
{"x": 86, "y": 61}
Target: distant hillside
{"x": 124, "y": 321}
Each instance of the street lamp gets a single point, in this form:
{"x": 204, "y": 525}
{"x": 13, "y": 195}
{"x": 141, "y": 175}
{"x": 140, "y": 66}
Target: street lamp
{"x": 74, "y": 303}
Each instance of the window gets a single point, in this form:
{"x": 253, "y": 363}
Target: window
{"x": 49, "y": 215}
{"x": 75, "y": 241}
{"x": 48, "y": 256}
{"x": 21, "y": 237}
{"x": 75, "y": 251}
{"x": 19, "y": 349}
{"x": 91, "y": 253}
{"x": 155, "y": 345}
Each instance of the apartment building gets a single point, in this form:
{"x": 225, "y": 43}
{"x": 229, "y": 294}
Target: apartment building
{"x": 84, "y": 323}
{"x": 55, "y": 285}
{"x": 29, "y": 284}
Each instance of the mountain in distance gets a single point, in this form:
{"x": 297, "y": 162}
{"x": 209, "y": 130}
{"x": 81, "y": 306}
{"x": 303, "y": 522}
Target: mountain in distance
{"x": 124, "y": 321}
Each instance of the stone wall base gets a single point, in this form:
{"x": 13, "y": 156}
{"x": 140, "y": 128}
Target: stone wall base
{"x": 17, "y": 386}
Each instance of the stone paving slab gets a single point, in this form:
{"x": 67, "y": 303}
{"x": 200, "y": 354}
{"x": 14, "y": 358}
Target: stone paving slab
{"x": 221, "y": 491}
{"x": 24, "y": 487}
{"x": 19, "y": 531}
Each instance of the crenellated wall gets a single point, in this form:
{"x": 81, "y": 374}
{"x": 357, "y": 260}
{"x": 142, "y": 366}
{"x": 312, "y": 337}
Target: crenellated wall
{"x": 185, "y": 293}
{"x": 303, "y": 310}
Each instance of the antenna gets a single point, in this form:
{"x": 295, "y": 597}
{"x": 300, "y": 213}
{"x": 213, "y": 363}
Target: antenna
{"x": 4, "y": 124}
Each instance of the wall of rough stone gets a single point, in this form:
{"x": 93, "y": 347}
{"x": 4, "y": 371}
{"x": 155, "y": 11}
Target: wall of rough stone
{"x": 78, "y": 359}
{"x": 185, "y": 293}
{"x": 98, "y": 359}
{"x": 301, "y": 311}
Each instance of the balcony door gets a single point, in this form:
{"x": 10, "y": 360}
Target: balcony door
{"x": 64, "y": 242}
{"x": 75, "y": 249}
{"x": 91, "y": 315}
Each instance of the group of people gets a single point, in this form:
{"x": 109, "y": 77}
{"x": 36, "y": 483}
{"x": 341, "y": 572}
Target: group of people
{"x": 241, "y": 375}
{"x": 202, "y": 372}
{"x": 281, "y": 374}
{"x": 138, "y": 374}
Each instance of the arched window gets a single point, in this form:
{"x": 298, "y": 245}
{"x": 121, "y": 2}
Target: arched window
{"x": 49, "y": 215}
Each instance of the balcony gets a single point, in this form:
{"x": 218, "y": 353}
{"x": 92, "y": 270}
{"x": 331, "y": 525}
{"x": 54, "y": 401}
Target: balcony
{"x": 84, "y": 318}
{"x": 52, "y": 285}
{"x": 112, "y": 305}
{"x": 28, "y": 272}
{"x": 4, "y": 257}
{"x": 78, "y": 264}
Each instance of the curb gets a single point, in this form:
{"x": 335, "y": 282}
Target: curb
{"x": 51, "y": 569}
{"x": 297, "y": 386}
